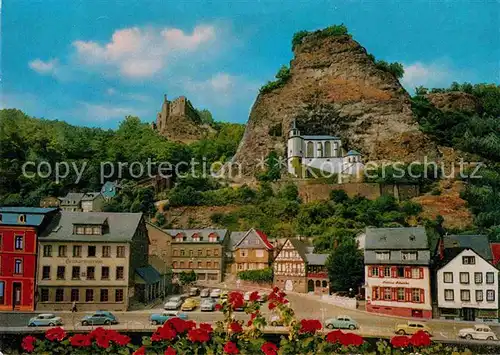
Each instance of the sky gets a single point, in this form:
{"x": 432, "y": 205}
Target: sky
{"x": 93, "y": 62}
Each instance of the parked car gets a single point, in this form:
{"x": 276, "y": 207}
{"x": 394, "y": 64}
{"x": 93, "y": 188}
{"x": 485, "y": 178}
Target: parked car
{"x": 205, "y": 293}
{"x": 160, "y": 318}
{"x": 173, "y": 303}
{"x": 478, "y": 332}
{"x": 194, "y": 291}
{"x": 215, "y": 293}
{"x": 189, "y": 304}
{"x": 246, "y": 296}
{"x": 100, "y": 318}
{"x": 411, "y": 327}
{"x": 208, "y": 304}
{"x": 341, "y": 322}
{"x": 45, "y": 320}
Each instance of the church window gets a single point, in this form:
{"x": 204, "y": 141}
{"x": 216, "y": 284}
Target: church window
{"x": 320, "y": 149}
{"x": 310, "y": 149}
{"x": 328, "y": 149}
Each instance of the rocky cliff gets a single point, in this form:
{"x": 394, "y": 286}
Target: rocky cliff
{"x": 335, "y": 88}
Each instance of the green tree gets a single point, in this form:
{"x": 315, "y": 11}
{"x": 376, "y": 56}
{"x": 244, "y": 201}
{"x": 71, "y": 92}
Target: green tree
{"x": 188, "y": 278}
{"x": 346, "y": 267}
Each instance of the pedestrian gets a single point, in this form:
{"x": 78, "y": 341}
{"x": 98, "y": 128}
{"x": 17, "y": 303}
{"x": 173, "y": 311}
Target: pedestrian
{"x": 73, "y": 307}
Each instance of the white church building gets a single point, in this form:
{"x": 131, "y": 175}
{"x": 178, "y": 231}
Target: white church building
{"x": 322, "y": 152}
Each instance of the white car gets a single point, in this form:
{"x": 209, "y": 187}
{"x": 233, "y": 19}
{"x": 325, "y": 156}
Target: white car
{"x": 246, "y": 297}
{"x": 215, "y": 293}
{"x": 208, "y": 304}
{"x": 173, "y": 303}
{"x": 479, "y": 332}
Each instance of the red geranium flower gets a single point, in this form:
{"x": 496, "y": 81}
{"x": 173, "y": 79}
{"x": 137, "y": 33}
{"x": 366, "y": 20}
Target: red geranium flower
{"x": 400, "y": 341}
{"x": 102, "y": 342}
{"x": 231, "y": 348}
{"x": 236, "y": 299}
{"x": 98, "y": 332}
{"x": 235, "y": 327}
{"x": 140, "y": 351}
{"x": 80, "y": 340}
{"x": 170, "y": 351}
{"x": 420, "y": 338}
{"x": 121, "y": 339}
{"x": 178, "y": 324}
{"x": 254, "y": 296}
{"x": 269, "y": 348}
{"x": 164, "y": 333}
{"x": 198, "y": 335}
{"x": 218, "y": 307}
{"x": 271, "y": 306}
{"x": 276, "y": 289}
{"x": 351, "y": 339}
{"x": 55, "y": 334}
{"x": 207, "y": 327}
{"x": 334, "y": 336}
{"x": 310, "y": 326}
{"x": 28, "y": 343}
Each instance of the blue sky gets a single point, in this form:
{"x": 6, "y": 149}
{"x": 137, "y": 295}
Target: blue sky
{"x": 93, "y": 62}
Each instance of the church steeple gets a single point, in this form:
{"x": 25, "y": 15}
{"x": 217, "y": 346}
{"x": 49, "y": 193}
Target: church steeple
{"x": 294, "y": 132}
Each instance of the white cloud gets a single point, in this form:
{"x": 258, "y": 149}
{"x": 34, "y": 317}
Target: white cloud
{"x": 44, "y": 68}
{"x": 434, "y": 74}
{"x": 110, "y": 91}
{"x": 143, "y": 52}
{"x": 101, "y": 112}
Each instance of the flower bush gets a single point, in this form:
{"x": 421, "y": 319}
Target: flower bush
{"x": 230, "y": 336}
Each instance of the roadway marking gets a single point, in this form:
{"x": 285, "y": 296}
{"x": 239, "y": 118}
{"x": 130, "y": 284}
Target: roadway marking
{"x": 444, "y": 336}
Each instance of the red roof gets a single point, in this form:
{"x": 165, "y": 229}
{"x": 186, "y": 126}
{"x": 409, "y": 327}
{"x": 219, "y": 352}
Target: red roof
{"x": 263, "y": 236}
{"x": 495, "y": 251}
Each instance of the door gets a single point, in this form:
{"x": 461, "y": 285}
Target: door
{"x": 310, "y": 286}
{"x": 16, "y": 295}
{"x": 469, "y": 314}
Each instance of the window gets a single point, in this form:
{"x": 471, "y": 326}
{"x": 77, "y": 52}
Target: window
{"x": 59, "y": 294}
{"x": 401, "y": 271}
{"x": 199, "y": 264}
{"x": 47, "y": 251}
{"x": 410, "y": 255}
{"x": 490, "y": 295}
{"x": 88, "y": 230}
{"x": 479, "y": 295}
{"x": 19, "y": 242}
{"x": 183, "y": 253}
{"x": 182, "y": 264}
{"x": 61, "y": 272}
{"x": 375, "y": 271}
{"x": 401, "y": 294}
{"x": 119, "y": 272}
{"x": 75, "y": 273}
{"x": 200, "y": 253}
{"x": 209, "y": 264}
{"x": 448, "y": 295}
{"x": 490, "y": 277}
{"x": 415, "y": 295}
{"x": 387, "y": 271}
{"x": 120, "y": 251}
{"x": 104, "y": 295}
{"x": 91, "y": 251}
{"x": 216, "y": 264}
{"x": 89, "y": 295}
{"x": 209, "y": 252}
{"x": 118, "y": 295}
{"x": 259, "y": 253}
{"x": 90, "y": 272}
{"x": 383, "y": 255}
{"x": 77, "y": 251}
{"x": 376, "y": 294}
{"x": 18, "y": 266}
{"x": 97, "y": 230}
{"x": 105, "y": 273}
{"x": 106, "y": 251}
{"x": 464, "y": 277}
{"x": 44, "y": 295}
{"x": 46, "y": 273}
{"x": 22, "y": 218}
{"x": 415, "y": 273}
{"x": 387, "y": 293}
{"x": 447, "y": 277}
{"x": 2, "y": 292}
{"x": 75, "y": 295}
{"x": 243, "y": 253}
{"x": 468, "y": 260}
{"x": 465, "y": 295}
{"x": 216, "y": 252}
{"x": 80, "y": 230}
{"x": 478, "y": 277}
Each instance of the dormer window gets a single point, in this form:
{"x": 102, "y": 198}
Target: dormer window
{"x": 179, "y": 237}
{"x": 196, "y": 237}
{"x": 409, "y": 255}
{"x": 22, "y": 218}
{"x": 212, "y": 238}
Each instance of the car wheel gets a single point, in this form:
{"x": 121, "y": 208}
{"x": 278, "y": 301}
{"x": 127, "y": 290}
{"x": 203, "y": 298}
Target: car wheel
{"x": 107, "y": 322}
{"x": 489, "y": 338}
{"x": 352, "y": 327}
{"x": 401, "y": 332}
{"x": 274, "y": 324}
{"x": 155, "y": 322}
{"x": 468, "y": 337}
{"x": 51, "y": 324}
{"x": 32, "y": 325}
{"x": 85, "y": 323}
{"x": 329, "y": 326}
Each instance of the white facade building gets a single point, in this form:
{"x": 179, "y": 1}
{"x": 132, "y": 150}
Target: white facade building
{"x": 467, "y": 288}
{"x": 322, "y": 152}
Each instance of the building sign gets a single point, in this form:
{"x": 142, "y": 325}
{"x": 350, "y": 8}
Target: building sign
{"x": 84, "y": 261}
{"x": 396, "y": 282}
{"x": 318, "y": 275}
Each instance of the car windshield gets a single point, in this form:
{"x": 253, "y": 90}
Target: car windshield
{"x": 175, "y": 299}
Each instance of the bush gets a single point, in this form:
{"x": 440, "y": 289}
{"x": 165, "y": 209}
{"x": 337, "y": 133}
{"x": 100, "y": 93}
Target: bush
{"x": 298, "y": 37}
{"x": 395, "y": 68}
{"x": 282, "y": 77}
{"x": 264, "y": 275}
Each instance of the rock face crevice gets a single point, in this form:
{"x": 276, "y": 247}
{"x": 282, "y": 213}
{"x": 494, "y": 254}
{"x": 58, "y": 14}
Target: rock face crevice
{"x": 335, "y": 88}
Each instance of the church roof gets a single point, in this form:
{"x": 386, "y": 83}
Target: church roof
{"x": 320, "y": 138}
{"x": 353, "y": 152}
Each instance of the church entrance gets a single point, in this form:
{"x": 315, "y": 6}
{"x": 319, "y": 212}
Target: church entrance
{"x": 310, "y": 286}
{"x": 288, "y": 285}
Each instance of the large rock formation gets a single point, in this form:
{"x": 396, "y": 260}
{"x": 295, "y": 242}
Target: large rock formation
{"x": 335, "y": 88}
{"x": 455, "y": 101}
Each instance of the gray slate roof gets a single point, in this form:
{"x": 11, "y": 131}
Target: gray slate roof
{"x": 479, "y": 243}
{"x": 235, "y": 237}
{"x": 203, "y": 232}
{"x": 149, "y": 274}
{"x": 396, "y": 238}
{"x": 121, "y": 226}
{"x": 320, "y": 137}
{"x": 90, "y": 196}
{"x": 72, "y": 198}
{"x": 316, "y": 259}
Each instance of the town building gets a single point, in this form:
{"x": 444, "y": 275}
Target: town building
{"x": 160, "y": 255}
{"x": 82, "y": 202}
{"x": 19, "y": 230}
{"x": 298, "y": 269}
{"x": 201, "y": 250}
{"x": 251, "y": 251}
{"x": 49, "y": 201}
{"x": 397, "y": 274}
{"x": 98, "y": 260}
{"x": 466, "y": 280}
{"x": 495, "y": 253}
{"x": 322, "y": 152}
